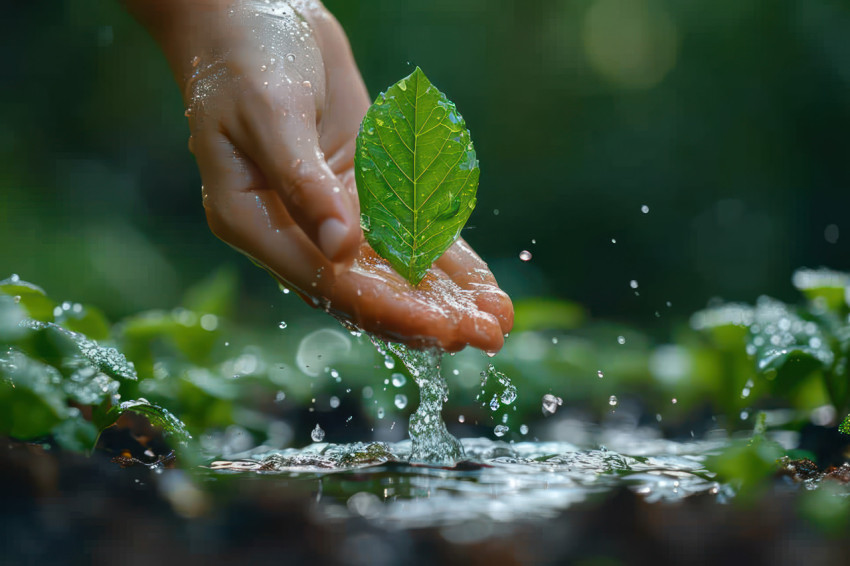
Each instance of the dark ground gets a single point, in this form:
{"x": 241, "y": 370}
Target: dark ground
{"x": 59, "y": 508}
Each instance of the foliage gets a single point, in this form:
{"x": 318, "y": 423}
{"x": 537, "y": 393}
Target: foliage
{"x": 790, "y": 348}
{"x": 417, "y": 175}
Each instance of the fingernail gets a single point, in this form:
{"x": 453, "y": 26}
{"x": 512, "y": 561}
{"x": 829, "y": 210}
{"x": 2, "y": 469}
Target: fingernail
{"x": 332, "y": 234}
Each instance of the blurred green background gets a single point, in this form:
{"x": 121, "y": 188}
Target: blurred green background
{"x": 727, "y": 118}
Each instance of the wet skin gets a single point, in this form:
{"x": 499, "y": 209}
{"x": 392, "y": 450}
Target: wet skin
{"x": 274, "y": 102}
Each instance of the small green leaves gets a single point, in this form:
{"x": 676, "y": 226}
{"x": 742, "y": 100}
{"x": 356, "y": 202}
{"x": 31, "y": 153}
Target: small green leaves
{"x": 844, "y": 427}
{"x": 171, "y": 426}
{"x": 416, "y": 173}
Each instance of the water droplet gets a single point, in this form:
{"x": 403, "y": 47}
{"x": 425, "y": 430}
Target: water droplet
{"x": 389, "y": 362}
{"x": 612, "y": 400}
{"x": 290, "y": 57}
{"x": 523, "y": 429}
{"x": 307, "y": 84}
{"x": 495, "y": 212}
{"x": 380, "y": 412}
{"x": 599, "y": 374}
{"x": 334, "y": 402}
{"x": 282, "y": 324}
{"x": 461, "y": 419}
{"x": 279, "y": 396}
{"x": 263, "y": 67}
{"x": 644, "y": 209}
{"x": 455, "y": 372}
{"x": 317, "y": 434}
{"x": 400, "y": 401}
{"x": 509, "y": 395}
{"x": 621, "y": 340}
{"x": 613, "y": 240}
{"x": 551, "y": 404}
{"x": 525, "y": 255}
{"x": 533, "y": 241}
{"x": 500, "y": 430}
{"x": 494, "y": 403}
{"x": 398, "y": 379}
{"x": 554, "y": 340}
{"x": 633, "y": 284}
{"x": 674, "y": 400}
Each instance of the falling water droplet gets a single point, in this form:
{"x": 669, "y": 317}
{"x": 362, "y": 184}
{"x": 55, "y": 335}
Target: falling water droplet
{"x": 599, "y": 374}
{"x": 644, "y": 209}
{"x": 282, "y": 324}
{"x": 317, "y": 434}
{"x": 613, "y": 240}
{"x": 551, "y": 404}
{"x": 500, "y": 430}
{"x": 621, "y": 340}
{"x": 461, "y": 418}
{"x": 525, "y": 255}
{"x": 633, "y": 284}
{"x": 523, "y": 429}
{"x": 612, "y": 400}
{"x": 334, "y": 402}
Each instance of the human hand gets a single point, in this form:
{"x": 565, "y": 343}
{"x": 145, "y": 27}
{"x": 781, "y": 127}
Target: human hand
{"x": 274, "y": 102}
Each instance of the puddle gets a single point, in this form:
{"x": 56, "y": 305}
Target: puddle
{"x": 497, "y": 482}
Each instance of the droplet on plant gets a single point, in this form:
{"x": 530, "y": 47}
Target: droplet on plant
{"x": 398, "y": 379}
{"x": 400, "y": 401}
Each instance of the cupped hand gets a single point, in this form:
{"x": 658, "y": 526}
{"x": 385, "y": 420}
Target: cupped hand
{"x": 274, "y": 103}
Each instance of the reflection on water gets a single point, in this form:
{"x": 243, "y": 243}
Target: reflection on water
{"x": 498, "y": 481}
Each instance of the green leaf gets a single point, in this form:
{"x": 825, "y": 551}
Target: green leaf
{"x": 783, "y": 342}
{"x": 823, "y": 285}
{"x": 76, "y": 434}
{"x": 171, "y": 426}
{"x": 108, "y": 360}
{"x": 31, "y": 297}
{"x": 31, "y": 397}
{"x": 416, "y": 173}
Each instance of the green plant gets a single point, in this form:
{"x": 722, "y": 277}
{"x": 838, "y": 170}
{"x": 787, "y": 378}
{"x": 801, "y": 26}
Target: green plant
{"x": 791, "y": 347}
{"x": 416, "y": 173}
{"x": 52, "y": 371}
